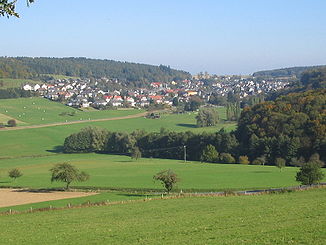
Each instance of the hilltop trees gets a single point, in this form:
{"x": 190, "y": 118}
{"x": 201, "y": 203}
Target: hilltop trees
{"x": 65, "y": 172}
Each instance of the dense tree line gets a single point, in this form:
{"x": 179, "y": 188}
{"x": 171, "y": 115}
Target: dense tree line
{"x": 129, "y": 73}
{"x": 163, "y": 144}
{"x": 15, "y": 93}
{"x": 290, "y": 127}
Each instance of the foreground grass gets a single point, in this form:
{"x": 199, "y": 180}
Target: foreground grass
{"x": 120, "y": 172}
{"x": 292, "y": 218}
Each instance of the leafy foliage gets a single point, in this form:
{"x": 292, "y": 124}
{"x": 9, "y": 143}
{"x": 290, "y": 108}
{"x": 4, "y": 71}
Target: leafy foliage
{"x": 280, "y": 163}
{"x": 65, "y": 172}
{"x": 310, "y": 173}
{"x": 209, "y": 154}
{"x": 168, "y": 179}
{"x": 244, "y": 160}
{"x": 292, "y": 126}
{"x": 15, "y": 173}
{"x": 207, "y": 117}
{"x": 7, "y": 8}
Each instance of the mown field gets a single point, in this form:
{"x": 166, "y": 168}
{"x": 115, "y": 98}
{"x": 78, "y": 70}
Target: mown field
{"x": 35, "y": 111}
{"x": 291, "y": 218}
{"x": 121, "y": 172}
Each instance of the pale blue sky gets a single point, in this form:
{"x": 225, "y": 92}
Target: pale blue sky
{"x": 218, "y": 36}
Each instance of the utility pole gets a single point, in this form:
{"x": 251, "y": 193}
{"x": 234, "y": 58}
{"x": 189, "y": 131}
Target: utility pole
{"x": 185, "y": 153}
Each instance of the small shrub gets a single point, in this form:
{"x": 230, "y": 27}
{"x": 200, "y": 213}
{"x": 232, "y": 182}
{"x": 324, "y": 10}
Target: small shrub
{"x": 226, "y": 158}
{"x": 244, "y": 160}
{"x": 12, "y": 123}
{"x": 259, "y": 161}
{"x": 15, "y": 173}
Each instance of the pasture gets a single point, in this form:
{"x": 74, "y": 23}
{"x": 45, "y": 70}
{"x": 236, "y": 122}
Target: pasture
{"x": 35, "y": 111}
{"x": 120, "y": 172}
{"x": 45, "y": 141}
{"x": 290, "y": 218}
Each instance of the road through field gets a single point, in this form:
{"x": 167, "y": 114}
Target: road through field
{"x": 75, "y": 122}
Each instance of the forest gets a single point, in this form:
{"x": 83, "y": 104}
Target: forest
{"x": 131, "y": 74}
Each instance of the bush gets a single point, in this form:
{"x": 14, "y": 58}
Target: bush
{"x": 12, "y": 123}
{"x": 226, "y": 158}
{"x": 244, "y": 160}
{"x": 310, "y": 173}
{"x": 15, "y": 173}
{"x": 168, "y": 179}
{"x": 259, "y": 161}
{"x": 209, "y": 154}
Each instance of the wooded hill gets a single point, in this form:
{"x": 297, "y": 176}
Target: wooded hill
{"x": 286, "y": 72}
{"x": 128, "y": 73}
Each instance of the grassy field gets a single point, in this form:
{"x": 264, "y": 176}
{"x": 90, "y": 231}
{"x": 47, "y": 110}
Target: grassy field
{"x": 291, "y": 218}
{"x": 120, "y": 172}
{"x": 34, "y": 111}
{"x": 43, "y": 141}
{"x": 16, "y": 83}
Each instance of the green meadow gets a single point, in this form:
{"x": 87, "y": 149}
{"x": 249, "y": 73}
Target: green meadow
{"x": 289, "y": 218}
{"x": 45, "y": 141}
{"x": 35, "y": 111}
{"x": 120, "y": 172}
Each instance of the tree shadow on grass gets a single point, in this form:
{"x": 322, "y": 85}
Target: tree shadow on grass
{"x": 56, "y": 149}
{"x": 124, "y": 161}
{"x": 262, "y": 172}
{"x": 187, "y": 125}
{"x": 135, "y": 195}
{"x": 38, "y": 190}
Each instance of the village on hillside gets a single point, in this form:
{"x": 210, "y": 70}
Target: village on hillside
{"x": 85, "y": 92}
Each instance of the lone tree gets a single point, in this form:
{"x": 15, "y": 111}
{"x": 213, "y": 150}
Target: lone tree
{"x": 280, "y": 163}
{"x": 135, "y": 153}
{"x": 67, "y": 173}
{"x": 168, "y": 179}
{"x": 310, "y": 173}
{"x": 15, "y": 173}
{"x": 207, "y": 117}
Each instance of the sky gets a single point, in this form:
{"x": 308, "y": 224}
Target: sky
{"x": 217, "y": 36}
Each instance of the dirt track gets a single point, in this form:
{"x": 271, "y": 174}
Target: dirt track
{"x": 75, "y": 122}
{"x": 12, "y": 197}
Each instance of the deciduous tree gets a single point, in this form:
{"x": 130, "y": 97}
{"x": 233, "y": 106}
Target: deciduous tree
{"x": 65, "y": 172}
{"x": 168, "y": 179}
